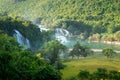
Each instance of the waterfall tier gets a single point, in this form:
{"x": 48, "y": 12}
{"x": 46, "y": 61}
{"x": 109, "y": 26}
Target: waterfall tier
{"x": 42, "y": 28}
{"x": 61, "y": 35}
{"x": 21, "y": 39}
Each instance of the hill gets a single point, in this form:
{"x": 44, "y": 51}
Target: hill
{"x": 27, "y": 30}
{"x": 96, "y": 16}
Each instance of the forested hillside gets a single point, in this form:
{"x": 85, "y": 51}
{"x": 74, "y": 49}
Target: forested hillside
{"x": 19, "y": 64}
{"x": 65, "y": 22}
{"x": 77, "y": 16}
{"x": 26, "y": 28}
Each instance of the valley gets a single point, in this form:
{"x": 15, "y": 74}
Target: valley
{"x": 59, "y": 39}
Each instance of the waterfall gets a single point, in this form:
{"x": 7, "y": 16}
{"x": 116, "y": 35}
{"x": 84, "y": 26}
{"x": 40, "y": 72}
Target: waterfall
{"x": 42, "y": 28}
{"x": 61, "y": 35}
{"x": 21, "y": 40}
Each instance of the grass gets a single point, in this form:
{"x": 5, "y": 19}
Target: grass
{"x": 91, "y": 64}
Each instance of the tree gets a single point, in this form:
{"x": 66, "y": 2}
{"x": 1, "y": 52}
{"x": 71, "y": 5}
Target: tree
{"x": 76, "y": 50}
{"x": 72, "y": 53}
{"x": 83, "y": 75}
{"x": 117, "y": 36}
{"x": 101, "y": 73}
{"x": 86, "y": 51}
{"x": 95, "y": 37}
{"x": 114, "y": 75}
{"x": 79, "y": 50}
{"x": 108, "y": 52}
{"x": 18, "y": 1}
{"x": 26, "y": 28}
{"x": 47, "y": 35}
{"x": 51, "y": 50}
{"x": 19, "y": 64}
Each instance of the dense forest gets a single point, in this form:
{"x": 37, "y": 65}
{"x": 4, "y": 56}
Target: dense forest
{"x": 90, "y": 20}
{"x": 27, "y": 29}
{"x": 77, "y": 16}
{"x": 19, "y": 64}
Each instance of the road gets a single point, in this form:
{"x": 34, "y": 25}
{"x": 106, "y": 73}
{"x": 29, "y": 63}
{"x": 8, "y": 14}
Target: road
{"x": 100, "y": 50}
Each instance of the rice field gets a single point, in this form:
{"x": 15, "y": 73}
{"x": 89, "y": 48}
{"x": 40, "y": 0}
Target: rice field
{"x": 91, "y": 64}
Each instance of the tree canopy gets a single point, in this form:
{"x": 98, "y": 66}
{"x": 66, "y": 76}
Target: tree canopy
{"x": 79, "y": 50}
{"x": 51, "y": 50}
{"x": 16, "y": 63}
{"x": 108, "y": 52}
{"x": 102, "y": 15}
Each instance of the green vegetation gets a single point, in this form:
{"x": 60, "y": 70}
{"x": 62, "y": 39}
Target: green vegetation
{"x": 83, "y": 74}
{"x": 90, "y": 64}
{"x": 77, "y": 16}
{"x": 79, "y": 50}
{"x": 51, "y": 50}
{"x": 101, "y": 73}
{"x": 108, "y": 52}
{"x": 93, "y": 20}
{"x": 19, "y": 64}
{"x": 27, "y": 29}
{"x": 105, "y": 37}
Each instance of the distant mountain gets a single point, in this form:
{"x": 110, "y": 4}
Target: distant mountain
{"x": 102, "y": 15}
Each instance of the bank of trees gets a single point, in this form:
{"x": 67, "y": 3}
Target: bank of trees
{"x": 105, "y": 37}
{"x": 19, "y": 64}
{"x": 102, "y": 16}
{"x": 100, "y": 74}
{"x": 84, "y": 51}
{"x": 27, "y": 29}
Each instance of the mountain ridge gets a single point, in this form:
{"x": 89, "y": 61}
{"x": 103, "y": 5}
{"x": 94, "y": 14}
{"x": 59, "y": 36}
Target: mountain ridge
{"x": 102, "y": 15}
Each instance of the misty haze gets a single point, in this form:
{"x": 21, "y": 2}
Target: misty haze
{"x": 59, "y": 39}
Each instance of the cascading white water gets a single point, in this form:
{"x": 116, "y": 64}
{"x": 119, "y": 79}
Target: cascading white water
{"x": 61, "y": 35}
{"x": 21, "y": 40}
{"x": 42, "y": 28}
